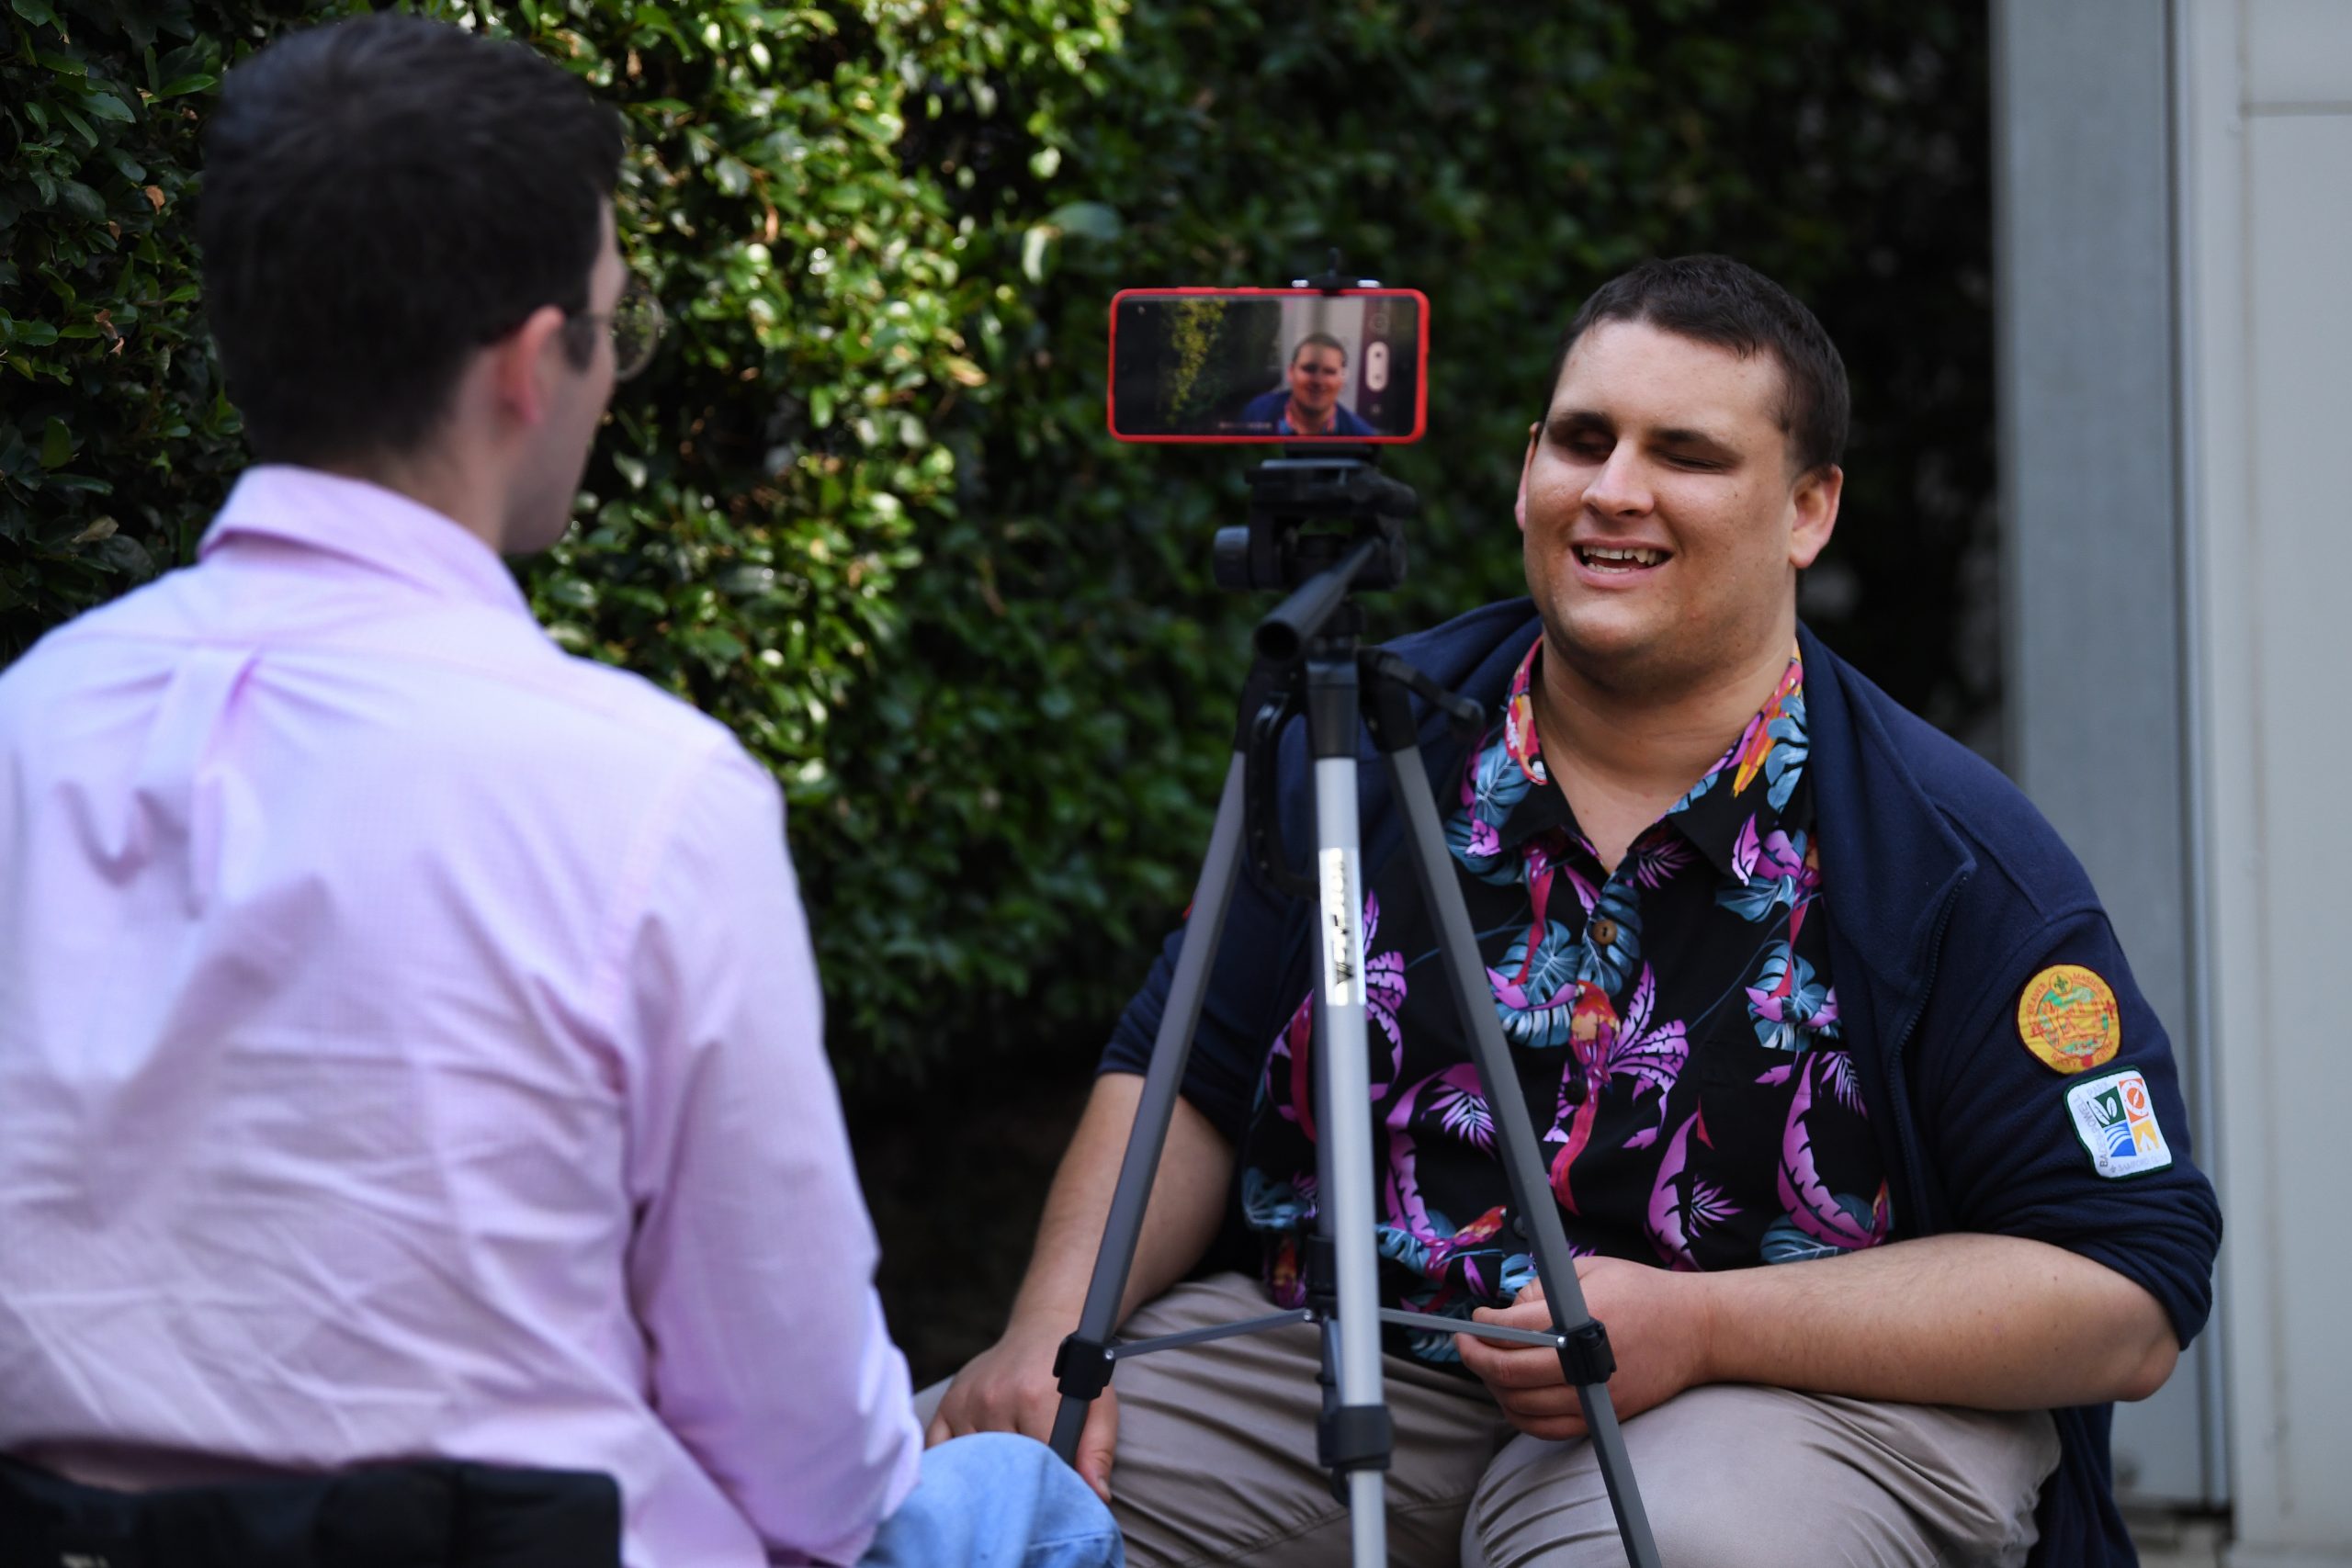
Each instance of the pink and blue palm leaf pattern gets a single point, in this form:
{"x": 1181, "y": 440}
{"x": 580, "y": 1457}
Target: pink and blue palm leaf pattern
{"x": 1601, "y": 1049}
{"x": 1778, "y": 871}
{"x": 1653, "y": 1055}
{"x": 1494, "y": 782}
{"x": 1817, "y": 1222}
{"x": 1449, "y": 1103}
{"x": 1791, "y": 1008}
{"x": 1657, "y": 857}
{"x": 1683, "y": 1206}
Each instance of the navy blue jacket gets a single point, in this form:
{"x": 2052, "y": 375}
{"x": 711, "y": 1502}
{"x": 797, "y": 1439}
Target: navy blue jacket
{"x": 1268, "y": 408}
{"x": 1947, "y": 891}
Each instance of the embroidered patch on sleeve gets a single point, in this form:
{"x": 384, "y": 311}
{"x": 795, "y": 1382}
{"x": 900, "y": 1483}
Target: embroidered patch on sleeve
{"x": 2117, "y": 1124}
{"x": 2068, "y": 1018}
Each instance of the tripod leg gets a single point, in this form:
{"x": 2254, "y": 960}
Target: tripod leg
{"x": 1586, "y": 1359}
{"x": 1084, "y": 1364}
{"x": 1355, "y": 1436}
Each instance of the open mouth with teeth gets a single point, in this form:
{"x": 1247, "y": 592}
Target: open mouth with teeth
{"x": 1606, "y": 557}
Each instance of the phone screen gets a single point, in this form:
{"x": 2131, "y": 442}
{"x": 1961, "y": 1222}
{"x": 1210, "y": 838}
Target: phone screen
{"x": 1286, "y": 365}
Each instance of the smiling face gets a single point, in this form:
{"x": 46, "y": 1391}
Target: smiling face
{"x": 1664, "y": 520}
{"x": 1315, "y": 374}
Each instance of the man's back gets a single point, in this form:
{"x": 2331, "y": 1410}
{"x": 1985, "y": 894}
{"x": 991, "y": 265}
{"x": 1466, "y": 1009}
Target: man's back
{"x": 409, "y": 1046}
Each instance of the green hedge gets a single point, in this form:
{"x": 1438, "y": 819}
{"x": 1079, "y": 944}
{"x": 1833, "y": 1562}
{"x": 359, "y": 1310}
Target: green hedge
{"x": 863, "y": 509}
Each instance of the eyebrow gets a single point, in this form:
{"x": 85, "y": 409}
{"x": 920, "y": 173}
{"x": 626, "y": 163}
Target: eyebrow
{"x": 1572, "y": 422}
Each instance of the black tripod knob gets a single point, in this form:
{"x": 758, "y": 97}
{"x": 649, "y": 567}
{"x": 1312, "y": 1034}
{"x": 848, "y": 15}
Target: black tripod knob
{"x": 1229, "y": 557}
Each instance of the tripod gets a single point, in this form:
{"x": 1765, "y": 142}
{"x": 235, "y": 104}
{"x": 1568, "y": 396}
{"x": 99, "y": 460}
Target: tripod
{"x": 1309, "y": 658}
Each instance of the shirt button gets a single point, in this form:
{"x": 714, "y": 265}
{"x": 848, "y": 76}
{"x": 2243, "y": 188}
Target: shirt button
{"x": 1604, "y": 933}
{"x": 1573, "y": 1091}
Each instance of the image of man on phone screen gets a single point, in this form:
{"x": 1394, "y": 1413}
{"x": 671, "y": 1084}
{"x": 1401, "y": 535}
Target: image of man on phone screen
{"x": 1309, "y": 404}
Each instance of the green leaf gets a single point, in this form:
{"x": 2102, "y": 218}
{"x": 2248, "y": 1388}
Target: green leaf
{"x": 572, "y": 592}
{"x": 180, "y": 87}
{"x": 37, "y": 12}
{"x": 82, "y": 201}
{"x": 105, "y": 106}
{"x": 56, "y": 445}
{"x": 1032, "y": 252}
{"x": 1088, "y": 220}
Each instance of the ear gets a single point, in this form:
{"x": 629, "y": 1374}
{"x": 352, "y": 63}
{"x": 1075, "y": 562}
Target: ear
{"x": 1518, "y": 507}
{"x": 520, "y": 365}
{"x": 1814, "y": 502}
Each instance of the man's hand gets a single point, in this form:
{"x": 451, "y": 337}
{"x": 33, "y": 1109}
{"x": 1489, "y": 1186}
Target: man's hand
{"x": 1659, "y": 1327}
{"x": 1989, "y": 1322}
{"x": 1009, "y": 1387}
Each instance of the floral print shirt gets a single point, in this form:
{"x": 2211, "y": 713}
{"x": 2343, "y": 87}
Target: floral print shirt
{"x": 1673, "y": 1023}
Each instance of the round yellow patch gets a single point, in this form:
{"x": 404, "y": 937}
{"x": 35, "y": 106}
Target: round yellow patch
{"x": 2068, "y": 1018}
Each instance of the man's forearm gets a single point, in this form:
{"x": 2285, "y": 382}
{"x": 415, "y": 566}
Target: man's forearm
{"x": 1187, "y": 1200}
{"x": 1990, "y": 1322}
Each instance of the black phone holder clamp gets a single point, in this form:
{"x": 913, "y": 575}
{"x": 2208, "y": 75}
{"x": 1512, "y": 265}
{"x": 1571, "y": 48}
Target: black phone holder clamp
{"x": 1331, "y": 280}
{"x": 1307, "y": 510}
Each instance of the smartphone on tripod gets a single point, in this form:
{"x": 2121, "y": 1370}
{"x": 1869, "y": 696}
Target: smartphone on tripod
{"x": 1284, "y": 366}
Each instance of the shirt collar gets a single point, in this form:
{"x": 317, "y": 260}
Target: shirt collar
{"x": 366, "y": 524}
{"x": 1754, "y": 806}
{"x": 1756, "y": 789}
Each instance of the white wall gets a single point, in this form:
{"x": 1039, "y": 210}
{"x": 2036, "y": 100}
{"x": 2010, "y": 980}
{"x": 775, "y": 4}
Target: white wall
{"x": 2264, "y": 121}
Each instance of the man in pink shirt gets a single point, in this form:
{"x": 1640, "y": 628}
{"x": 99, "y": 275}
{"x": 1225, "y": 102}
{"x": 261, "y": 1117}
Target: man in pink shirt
{"x": 408, "y": 1037}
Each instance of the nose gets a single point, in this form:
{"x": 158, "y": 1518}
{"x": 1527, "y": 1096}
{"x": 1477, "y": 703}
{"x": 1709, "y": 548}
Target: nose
{"x": 1620, "y": 489}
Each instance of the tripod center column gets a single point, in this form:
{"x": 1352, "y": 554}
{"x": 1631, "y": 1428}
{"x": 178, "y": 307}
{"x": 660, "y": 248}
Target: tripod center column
{"x": 1347, "y": 1195}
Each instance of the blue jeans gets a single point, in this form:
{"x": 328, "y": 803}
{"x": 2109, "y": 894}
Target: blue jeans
{"x": 994, "y": 1500}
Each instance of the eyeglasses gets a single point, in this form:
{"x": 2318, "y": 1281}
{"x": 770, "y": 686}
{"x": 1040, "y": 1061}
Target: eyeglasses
{"x": 635, "y": 321}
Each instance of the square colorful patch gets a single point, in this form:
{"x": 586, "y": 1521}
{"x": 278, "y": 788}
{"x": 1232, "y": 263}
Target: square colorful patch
{"x": 2117, "y": 1124}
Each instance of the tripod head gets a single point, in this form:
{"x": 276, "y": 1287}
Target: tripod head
{"x": 1306, "y": 512}
{"x": 1321, "y": 526}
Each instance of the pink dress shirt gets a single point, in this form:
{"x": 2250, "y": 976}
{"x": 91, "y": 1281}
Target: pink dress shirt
{"x": 410, "y": 1046}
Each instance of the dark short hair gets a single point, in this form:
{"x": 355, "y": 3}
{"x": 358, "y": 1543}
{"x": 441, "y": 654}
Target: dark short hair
{"x": 381, "y": 196}
{"x": 1320, "y": 340}
{"x": 1715, "y": 299}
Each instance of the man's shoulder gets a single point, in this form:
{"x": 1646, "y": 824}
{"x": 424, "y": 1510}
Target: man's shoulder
{"x": 562, "y": 716}
{"x": 61, "y": 661}
{"x": 1457, "y": 651}
{"x": 2017, "y": 851}
{"x": 487, "y": 681}
{"x": 503, "y": 667}
{"x": 635, "y": 705}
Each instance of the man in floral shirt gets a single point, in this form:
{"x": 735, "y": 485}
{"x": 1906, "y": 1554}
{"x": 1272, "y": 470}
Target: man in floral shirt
{"x": 1870, "y": 1151}
{"x": 1706, "y": 930}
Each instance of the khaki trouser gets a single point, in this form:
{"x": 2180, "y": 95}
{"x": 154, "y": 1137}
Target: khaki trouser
{"x": 1215, "y": 1464}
